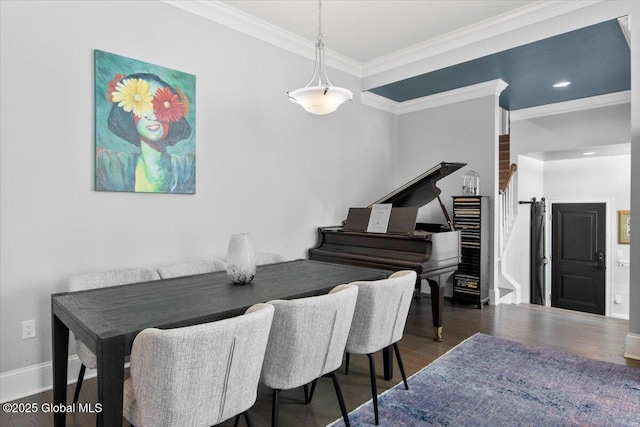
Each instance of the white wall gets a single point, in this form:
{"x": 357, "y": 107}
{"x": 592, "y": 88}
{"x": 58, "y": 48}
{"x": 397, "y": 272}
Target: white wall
{"x": 586, "y": 128}
{"x": 633, "y": 338}
{"x": 575, "y": 179}
{"x": 264, "y": 166}
{"x": 461, "y": 132}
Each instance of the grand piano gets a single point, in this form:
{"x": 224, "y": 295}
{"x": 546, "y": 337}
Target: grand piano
{"x": 431, "y": 250}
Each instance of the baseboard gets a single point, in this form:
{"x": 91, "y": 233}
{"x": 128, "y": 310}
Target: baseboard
{"x": 35, "y": 379}
{"x": 516, "y": 298}
{"x": 620, "y": 316}
{"x": 633, "y": 347}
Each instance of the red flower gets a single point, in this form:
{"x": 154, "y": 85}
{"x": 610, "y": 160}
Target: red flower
{"x": 167, "y": 106}
{"x": 111, "y": 86}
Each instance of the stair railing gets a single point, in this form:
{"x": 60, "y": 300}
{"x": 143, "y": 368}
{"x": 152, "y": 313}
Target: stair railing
{"x": 508, "y": 207}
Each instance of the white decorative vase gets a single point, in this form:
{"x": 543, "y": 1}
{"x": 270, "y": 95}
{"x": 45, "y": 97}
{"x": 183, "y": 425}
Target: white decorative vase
{"x": 241, "y": 259}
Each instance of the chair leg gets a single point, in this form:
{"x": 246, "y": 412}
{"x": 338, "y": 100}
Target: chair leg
{"x": 343, "y": 408}
{"x": 306, "y": 394}
{"x": 79, "y": 383}
{"x": 248, "y": 418}
{"x": 313, "y": 388}
{"x": 404, "y": 377}
{"x": 274, "y": 408}
{"x": 346, "y": 364}
{"x": 374, "y": 386}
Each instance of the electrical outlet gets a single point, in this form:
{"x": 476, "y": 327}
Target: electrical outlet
{"x": 28, "y": 329}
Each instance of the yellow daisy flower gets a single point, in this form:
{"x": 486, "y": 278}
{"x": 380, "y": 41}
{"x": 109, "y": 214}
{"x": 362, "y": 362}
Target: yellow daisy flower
{"x": 134, "y": 94}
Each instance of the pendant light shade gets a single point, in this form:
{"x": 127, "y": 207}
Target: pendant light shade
{"x": 319, "y": 96}
{"x": 320, "y": 99}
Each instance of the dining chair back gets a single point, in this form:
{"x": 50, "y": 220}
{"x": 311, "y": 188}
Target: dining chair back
{"x": 268, "y": 258}
{"x": 379, "y": 320}
{"x": 197, "y": 375}
{"x": 307, "y": 341}
{"x": 102, "y": 279}
{"x": 190, "y": 268}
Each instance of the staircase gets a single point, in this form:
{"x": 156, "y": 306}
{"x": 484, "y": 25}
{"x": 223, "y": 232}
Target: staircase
{"x": 508, "y": 206}
{"x": 504, "y": 159}
{"x": 508, "y": 192}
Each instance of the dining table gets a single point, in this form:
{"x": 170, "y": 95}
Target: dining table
{"x": 108, "y": 319}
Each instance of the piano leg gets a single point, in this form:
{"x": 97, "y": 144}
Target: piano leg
{"x": 437, "y": 302}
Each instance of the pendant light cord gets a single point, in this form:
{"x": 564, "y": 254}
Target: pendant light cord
{"x": 319, "y": 21}
{"x": 323, "y": 79}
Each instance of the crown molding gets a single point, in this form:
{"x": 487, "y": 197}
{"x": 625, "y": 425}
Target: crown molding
{"x": 235, "y": 19}
{"x": 492, "y": 87}
{"x": 379, "y": 102}
{"x": 626, "y": 29}
{"x": 521, "y": 17}
{"x": 599, "y": 101}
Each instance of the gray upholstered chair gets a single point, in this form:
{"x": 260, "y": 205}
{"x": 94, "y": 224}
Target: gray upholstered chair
{"x": 268, "y": 258}
{"x": 102, "y": 279}
{"x": 307, "y": 341}
{"x": 197, "y": 375}
{"x": 379, "y": 320}
{"x": 189, "y": 268}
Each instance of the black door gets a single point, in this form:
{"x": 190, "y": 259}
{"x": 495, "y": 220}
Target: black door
{"x": 578, "y": 256}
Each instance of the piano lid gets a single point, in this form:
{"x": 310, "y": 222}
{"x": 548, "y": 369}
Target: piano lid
{"x": 421, "y": 190}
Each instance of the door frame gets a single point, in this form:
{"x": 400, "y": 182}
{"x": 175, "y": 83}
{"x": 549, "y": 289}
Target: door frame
{"x": 608, "y": 247}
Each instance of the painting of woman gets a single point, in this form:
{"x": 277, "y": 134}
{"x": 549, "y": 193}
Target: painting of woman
{"x": 151, "y": 117}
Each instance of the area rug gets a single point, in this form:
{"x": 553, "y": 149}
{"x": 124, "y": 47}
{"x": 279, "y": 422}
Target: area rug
{"x": 487, "y": 381}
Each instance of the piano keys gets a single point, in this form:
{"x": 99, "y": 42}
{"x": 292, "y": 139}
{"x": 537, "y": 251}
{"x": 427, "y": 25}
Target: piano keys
{"x": 431, "y": 250}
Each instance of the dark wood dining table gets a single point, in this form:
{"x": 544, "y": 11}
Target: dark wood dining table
{"x": 108, "y": 319}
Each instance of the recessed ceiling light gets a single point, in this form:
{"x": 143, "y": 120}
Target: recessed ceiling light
{"x": 562, "y": 84}
{"x": 588, "y": 153}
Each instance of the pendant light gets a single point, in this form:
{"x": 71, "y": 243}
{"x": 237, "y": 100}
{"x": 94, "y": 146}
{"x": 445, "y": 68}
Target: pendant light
{"x": 319, "y": 96}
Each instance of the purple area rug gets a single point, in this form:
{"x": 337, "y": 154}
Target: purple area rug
{"x": 487, "y": 381}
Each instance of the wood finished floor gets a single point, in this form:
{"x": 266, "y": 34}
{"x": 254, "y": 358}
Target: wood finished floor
{"x": 583, "y": 334}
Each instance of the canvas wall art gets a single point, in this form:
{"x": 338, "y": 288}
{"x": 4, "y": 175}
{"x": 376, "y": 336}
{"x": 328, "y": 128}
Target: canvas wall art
{"x": 145, "y": 118}
{"x": 624, "y": 227}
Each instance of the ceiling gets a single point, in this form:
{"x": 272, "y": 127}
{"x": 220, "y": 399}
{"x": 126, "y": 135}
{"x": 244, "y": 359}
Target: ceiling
{"x": 583, "y": 153}
{"x": 366, "y": 30}
{"x": 595, "y": 59}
